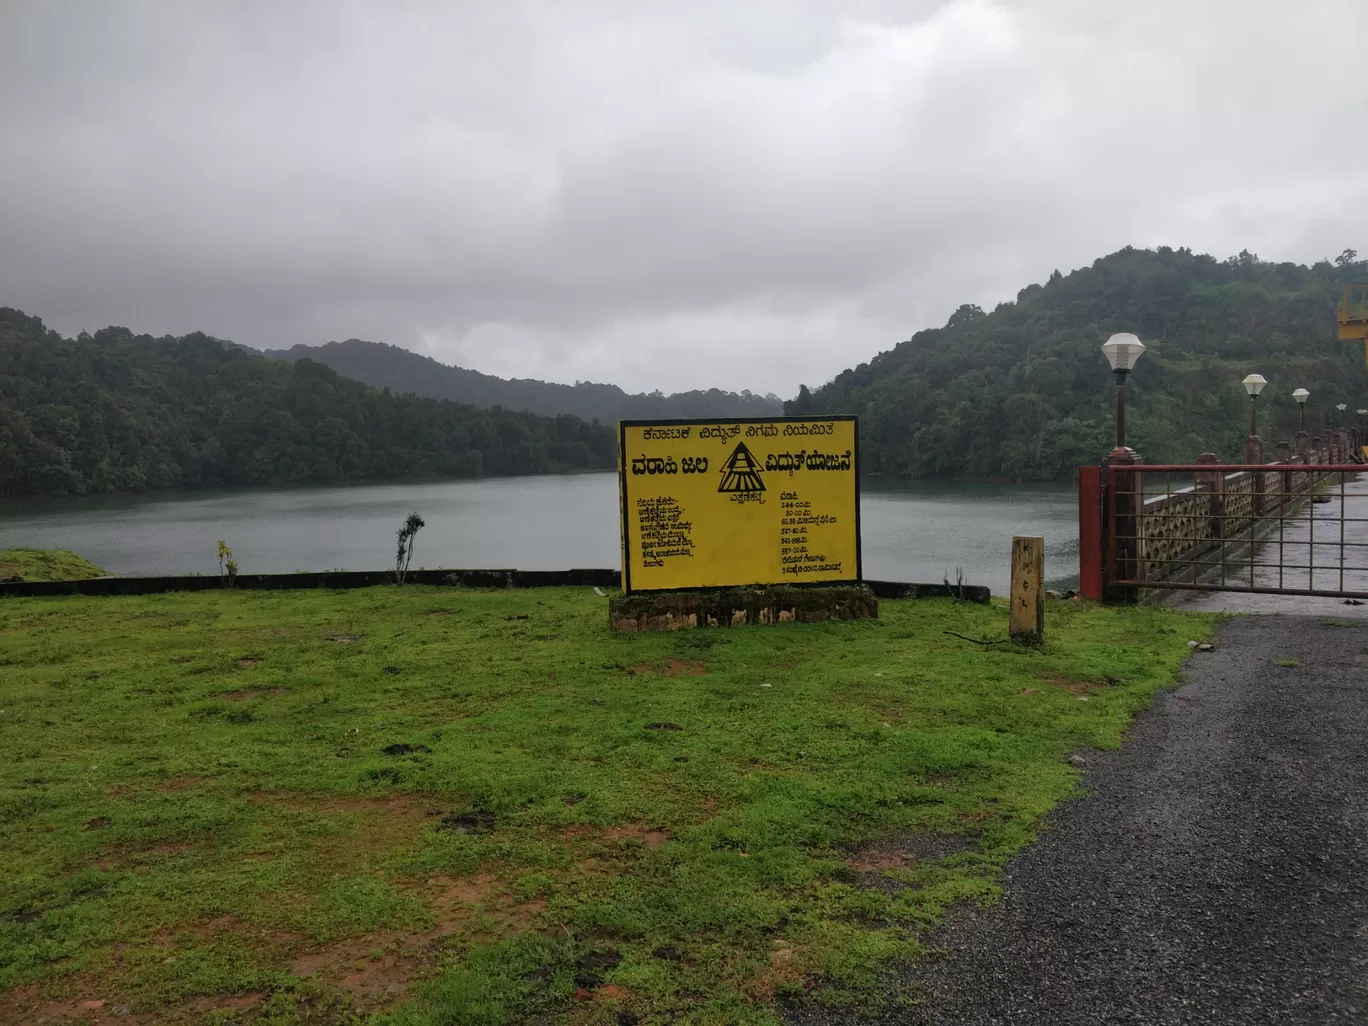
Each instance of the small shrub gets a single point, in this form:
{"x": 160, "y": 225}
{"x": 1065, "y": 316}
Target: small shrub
{"x": 413, "y": 523}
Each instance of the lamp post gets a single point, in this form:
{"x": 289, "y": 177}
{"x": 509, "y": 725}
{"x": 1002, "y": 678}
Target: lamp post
{"x": 1301, "y": 395}
{"x": 1253, "y": 384}
{"x": 1122, "y": 352}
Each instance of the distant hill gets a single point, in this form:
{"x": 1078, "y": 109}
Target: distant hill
{"x": 116, "y": 411}
{"x": 386, "y": 366}
{"x": 1025, "y": 393}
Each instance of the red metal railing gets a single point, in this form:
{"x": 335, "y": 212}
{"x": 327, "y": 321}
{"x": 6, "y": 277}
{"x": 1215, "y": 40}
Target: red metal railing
{"x": 1285, "y": 528}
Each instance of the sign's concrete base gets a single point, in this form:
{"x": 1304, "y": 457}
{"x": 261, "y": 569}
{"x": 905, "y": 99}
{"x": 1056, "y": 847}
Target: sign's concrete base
{"x": 727, "y": 607}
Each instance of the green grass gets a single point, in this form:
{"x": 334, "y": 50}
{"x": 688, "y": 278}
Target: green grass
{"x": 46, "y": 565}
{"x": 199, "y": 819}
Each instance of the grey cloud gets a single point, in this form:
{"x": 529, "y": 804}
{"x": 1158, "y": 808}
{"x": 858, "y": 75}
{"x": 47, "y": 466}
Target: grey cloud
{"x": 661, "y": 195}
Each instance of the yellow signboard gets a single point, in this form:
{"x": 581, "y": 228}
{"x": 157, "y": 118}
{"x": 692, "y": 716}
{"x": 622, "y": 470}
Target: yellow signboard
{"x": 709, "y": 503}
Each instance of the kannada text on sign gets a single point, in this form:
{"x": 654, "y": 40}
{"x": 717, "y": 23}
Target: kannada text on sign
{"x": 723, "y": 503}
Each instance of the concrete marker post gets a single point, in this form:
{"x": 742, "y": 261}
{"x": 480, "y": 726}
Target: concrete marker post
{"x": 1027, "y": 617}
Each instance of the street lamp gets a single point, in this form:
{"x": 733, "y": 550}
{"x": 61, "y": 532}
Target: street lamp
{"x": 1253, "y": 384}
{"x": 1342, "y": 407}
{"x": 1122, "y": 351}
{"x": 1303, "y": 440}
{"x": 1124, "y": 490}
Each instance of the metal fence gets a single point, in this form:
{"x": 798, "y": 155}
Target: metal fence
{"x": 1289, "y": 528}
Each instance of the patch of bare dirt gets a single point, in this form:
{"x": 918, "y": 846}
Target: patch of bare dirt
{"x": 218, "y": 925}
{"x": 205, "y": 932}
{"x": 136, "y": 856}
{"x": 904, "y": 850}
{"x": 345, "y": 639}
{"x": 180, "y": 782}
{"x": 471, "y": 891}
{"x": 379, "y": 969}
{"x": 375, "y": 970}
{"x": 246, "y": 662}
{"x": 360, "y": 828}
{"x": 456, "y": 902}
{"x": 1080, "y": 687}
{"x": 25, "y": 1006}
{"x": 674, "y": 668}
{"x": 242, "y": 694}
{"x": 403, "y": 806}
{"x": 981, "y": 816}
{"x": 612, "y": 992}
{"x": 787, "y": 968}
{"x": 215, "y": 928}
{"x": 649, "y": 839}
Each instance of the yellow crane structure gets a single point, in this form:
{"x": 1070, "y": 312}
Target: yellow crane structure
{"x": 1352, "y": 318}
{"x": 1353, "y": 315}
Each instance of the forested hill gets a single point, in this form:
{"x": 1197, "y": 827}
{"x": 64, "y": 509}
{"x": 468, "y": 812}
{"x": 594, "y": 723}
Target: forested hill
{"x": 1024, "y": 392}
{"x": 386, "y": 366}
{"x": 117, "y": 411}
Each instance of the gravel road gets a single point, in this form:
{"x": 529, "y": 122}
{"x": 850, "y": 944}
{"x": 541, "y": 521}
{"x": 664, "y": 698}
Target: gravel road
{"x": 1215, "y": 872}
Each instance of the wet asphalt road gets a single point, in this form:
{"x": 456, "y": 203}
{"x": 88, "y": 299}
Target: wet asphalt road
{"x": 1215, "y": 872}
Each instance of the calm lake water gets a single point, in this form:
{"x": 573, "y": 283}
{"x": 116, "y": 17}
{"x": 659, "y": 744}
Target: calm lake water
{"x": 911, "y": 532}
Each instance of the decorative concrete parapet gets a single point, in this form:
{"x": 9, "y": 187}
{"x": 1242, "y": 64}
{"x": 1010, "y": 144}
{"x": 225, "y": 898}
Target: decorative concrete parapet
{"x": 1182, "y": 529}
{"x": 728, "y": 607}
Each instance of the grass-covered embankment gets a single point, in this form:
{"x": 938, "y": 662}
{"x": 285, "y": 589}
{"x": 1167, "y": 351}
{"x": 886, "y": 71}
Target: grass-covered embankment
{"x": 46, "y": 565}
{"x": 448, "y": 806}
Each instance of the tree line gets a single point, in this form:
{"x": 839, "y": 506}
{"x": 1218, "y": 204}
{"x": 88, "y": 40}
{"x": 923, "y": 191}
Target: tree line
{"x": 386, "y": 366}
{"x": 1024, "y": 392}
{"x": 114, "y": 411}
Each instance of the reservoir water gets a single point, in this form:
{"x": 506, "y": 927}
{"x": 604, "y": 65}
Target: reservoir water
{"x": 918, "y": 531}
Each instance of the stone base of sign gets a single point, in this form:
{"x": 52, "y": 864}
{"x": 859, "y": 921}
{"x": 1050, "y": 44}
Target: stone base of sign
{"x": 735, "y": 607}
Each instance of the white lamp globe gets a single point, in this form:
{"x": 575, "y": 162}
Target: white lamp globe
{"x": 1122, "y": 351}
{"x": 1254, "y": 384}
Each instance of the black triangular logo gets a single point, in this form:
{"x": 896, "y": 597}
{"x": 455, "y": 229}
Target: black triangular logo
{"x": 741, "y": 473}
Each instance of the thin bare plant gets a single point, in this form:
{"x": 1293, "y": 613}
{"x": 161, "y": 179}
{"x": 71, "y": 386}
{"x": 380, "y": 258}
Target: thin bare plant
{"x": 413, "y": 523}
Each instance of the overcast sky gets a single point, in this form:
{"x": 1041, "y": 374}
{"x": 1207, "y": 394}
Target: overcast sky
{"x": 677, "y": 194}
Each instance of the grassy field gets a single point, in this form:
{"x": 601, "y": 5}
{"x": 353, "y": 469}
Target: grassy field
{"x": 46, "y": 565}
{"x": 421, "y": 805}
